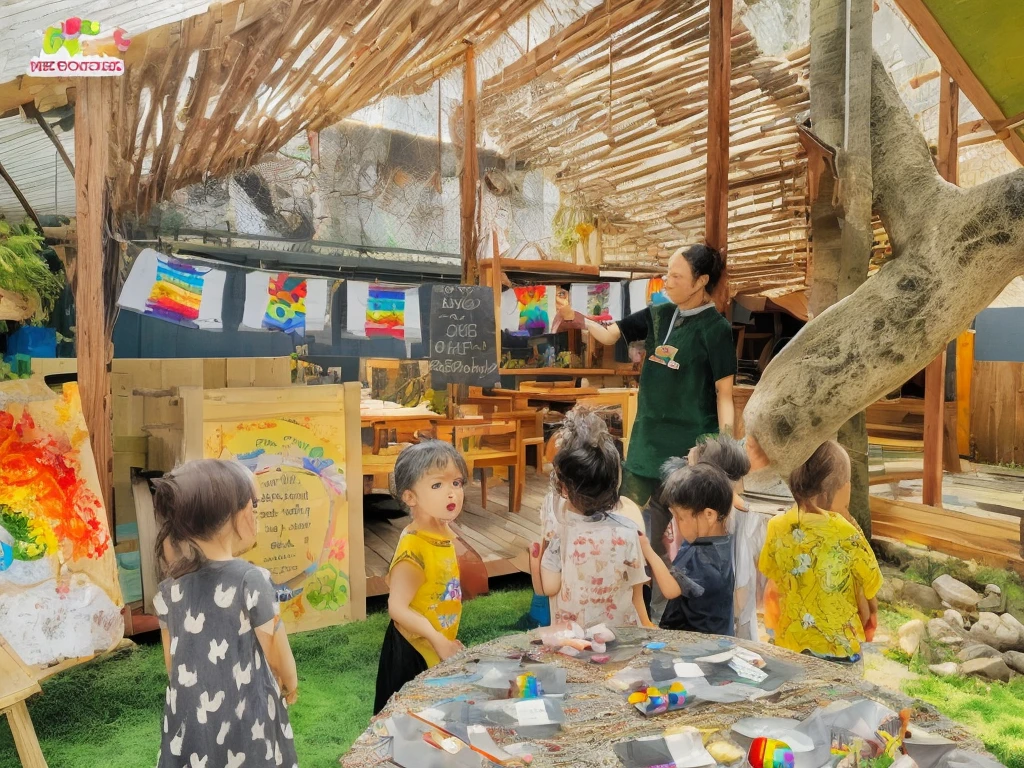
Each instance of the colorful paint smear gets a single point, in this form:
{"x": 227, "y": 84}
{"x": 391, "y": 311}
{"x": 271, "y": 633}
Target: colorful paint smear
{"x": 385, "y": 312}
{"x": 656, "y": 291}
{"x": 533, "y": 307}
{"x": 599, "y": 301}
{"x": 286, "y": 310}
{"x": 177, "y": 292}
{"x": 46, "y": 507}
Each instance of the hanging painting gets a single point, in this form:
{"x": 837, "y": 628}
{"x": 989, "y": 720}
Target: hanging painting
{"x": 376, "y": 311}
{"x": 647, "y": 292}
{"x": 59, "y": 594}
{"x": 284, "y": 302}
{"x": 180, "y": 292}
{"x": 599, "y": 301}
{"x": 294, "y": 441}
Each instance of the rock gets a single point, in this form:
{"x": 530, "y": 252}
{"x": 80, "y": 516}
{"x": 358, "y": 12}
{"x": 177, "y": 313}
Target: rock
{"x": 993, "y": 589}
{"x": 941, "y": 632}
{"x": 1015, "y": 661}
{"x": 1010, "y": 621}
{"x": 948, "y": 669}
{"x": 888, "y": 593}
{"x": 978, "y": 651}
{"x": 992, "y": 631}
{"x": 931, "y": 652}
{"x": 920, "y": 596}
{"x": 956, "y": 593}
{"x": 954, "y": 619}
{"x": 990, "y": 669}
{"x": 910, "y": 636}
{"x": 990, "y": 604}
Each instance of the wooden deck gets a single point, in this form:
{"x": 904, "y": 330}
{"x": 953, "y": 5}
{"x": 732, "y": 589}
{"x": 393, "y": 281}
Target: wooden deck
{"x": 500, "y": 537}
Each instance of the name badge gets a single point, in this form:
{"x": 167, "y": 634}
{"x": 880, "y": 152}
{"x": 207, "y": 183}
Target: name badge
{"x": 664, "y": 354}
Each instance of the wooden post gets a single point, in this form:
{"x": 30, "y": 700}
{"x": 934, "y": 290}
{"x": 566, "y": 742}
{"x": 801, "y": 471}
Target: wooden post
{"x": 716, "y": 212}
{"x": 935, "y": 373}
{"x": 964, "y": 379}
{"x": 470, "y": 173}
{"x": 496, "y": 289}
{"x": 92, "y": 123}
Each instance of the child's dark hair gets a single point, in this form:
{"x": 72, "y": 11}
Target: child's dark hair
{"x": 725, "y": 452}
{"x": 192, "y": 503}
{"x": 821, "y": 476}
{"x": 587, "y": 463}
{"x": 416, "y": 460}
{"x": 700, "y": 487}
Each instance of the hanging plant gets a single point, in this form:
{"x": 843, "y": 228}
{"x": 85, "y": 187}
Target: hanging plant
{"x": 23, "y": 270}
{"x": 573, "y": 223}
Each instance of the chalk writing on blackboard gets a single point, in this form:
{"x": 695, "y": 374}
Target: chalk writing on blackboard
{"x": 463, "y": 348}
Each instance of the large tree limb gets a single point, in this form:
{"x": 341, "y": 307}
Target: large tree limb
{"x": 955, "y": 251}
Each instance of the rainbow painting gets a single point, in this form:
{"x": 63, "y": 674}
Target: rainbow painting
{"x": 656, "y": 291}
{"x": 533, "y": 307}
{"x": 286, "y": 310}
{"x": 385, "y": 312}
{"x": 177, "y": 292}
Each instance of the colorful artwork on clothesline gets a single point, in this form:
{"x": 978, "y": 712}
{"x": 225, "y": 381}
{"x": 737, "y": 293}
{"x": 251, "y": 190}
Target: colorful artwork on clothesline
{"x": 656, "y": 291}
{"x": 285, "y": 302}
{"x": 376, "y": 311}
{"x": 598, "y": 301}
{"x": 646, "y": 293}
{"x": 176, "y": 291}
{"x": 59, "y": 593}
{"x": 534, "y": 312}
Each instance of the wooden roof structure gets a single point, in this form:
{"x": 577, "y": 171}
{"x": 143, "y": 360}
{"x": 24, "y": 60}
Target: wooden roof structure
{"x": 616, "y": 106}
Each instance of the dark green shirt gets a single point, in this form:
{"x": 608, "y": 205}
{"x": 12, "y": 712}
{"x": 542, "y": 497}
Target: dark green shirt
{"x": 677, "y": 401}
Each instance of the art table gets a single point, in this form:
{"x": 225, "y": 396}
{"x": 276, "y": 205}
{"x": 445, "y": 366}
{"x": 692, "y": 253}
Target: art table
{"x": 598, "y": 717}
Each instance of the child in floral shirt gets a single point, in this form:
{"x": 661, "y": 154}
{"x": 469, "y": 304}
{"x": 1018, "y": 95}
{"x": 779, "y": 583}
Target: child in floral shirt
{"x": 593, "y": 562}
{"x": 820, "y": 564}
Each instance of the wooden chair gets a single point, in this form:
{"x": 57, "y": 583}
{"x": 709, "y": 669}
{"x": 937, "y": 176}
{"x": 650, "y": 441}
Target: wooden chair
{"x": 532, "y": 434}
{"x": 485, "y": 444}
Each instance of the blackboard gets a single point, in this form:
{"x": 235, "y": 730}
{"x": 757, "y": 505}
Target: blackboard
{"x": 462, "y": 336}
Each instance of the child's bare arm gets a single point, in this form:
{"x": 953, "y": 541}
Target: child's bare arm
{"x": 165, "y": 637}
{"x": 405, "y": 580}
{"x": 662, "y": 575}
{"x": 278, "y": 651}
{"x": 536, "y": 553}
{"x": 551, "y": 582}
{"x": 641, "y": 609}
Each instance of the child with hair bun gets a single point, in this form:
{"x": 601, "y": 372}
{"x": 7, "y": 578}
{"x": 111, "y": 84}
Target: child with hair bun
{"x": 593, "y": 562}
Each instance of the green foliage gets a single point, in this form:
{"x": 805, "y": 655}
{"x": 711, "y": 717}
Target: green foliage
{"x": 23, "y": 270}
{"x": 898, "y": 655}
{"x": 109, "y": 713}
{"x": 328, "y": 590}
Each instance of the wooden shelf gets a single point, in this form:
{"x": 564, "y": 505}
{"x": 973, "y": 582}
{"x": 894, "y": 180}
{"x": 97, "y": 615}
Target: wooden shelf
{"x": 552, "y": 267}
{"x": 556, "y": 371}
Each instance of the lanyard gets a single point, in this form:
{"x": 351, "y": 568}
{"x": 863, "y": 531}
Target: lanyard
{"x": 671, "y": 326}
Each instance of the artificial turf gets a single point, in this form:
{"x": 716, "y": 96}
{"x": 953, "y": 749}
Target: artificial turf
{"x": 107, "y": 713}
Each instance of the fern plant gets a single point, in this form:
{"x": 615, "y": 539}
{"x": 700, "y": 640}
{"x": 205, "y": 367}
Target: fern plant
{"x": 23, "y": 270}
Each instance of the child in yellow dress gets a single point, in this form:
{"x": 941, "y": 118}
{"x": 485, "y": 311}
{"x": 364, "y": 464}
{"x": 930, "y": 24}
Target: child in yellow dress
{"x": 820, "y": 564}
{"x": 425, "y": 601}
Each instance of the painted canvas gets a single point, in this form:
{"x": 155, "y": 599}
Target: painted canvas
{"x": 600, "y": 301}
{"x": 376, "y": 311}
{"x": 180, "y": 292}
{"x": 534, "y": 310}
{"x": 656, "y": 291}
{"x": 293, "y": 440}
{"x": 646, "y": 292}
{"x": 59, "y": 594}
{"x": 285, "y": 302}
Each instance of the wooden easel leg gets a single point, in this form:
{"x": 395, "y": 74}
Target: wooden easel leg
{"x": 25, "y": 736}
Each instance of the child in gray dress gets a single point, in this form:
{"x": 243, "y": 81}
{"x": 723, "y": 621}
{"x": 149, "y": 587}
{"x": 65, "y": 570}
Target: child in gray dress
{"x": 230, "y": 666}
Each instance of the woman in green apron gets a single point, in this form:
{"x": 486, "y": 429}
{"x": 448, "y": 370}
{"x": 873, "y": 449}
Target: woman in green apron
{"x": 687, "y": 378}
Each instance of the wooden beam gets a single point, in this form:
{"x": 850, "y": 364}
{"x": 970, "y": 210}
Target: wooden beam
{"x": 1009, "y": 123}
{"x": 949, "y": 123}
{"x": 950, "y": 59}
{"x": 917, "y": 82}
{"x": 716, "y": 212}
{"x": 470, "y": 173}
{"x": 21, "y": 198}
{"x": 33, "y": 112}
{"x": 92, "y": 123}
{"x": 964, "y": 380}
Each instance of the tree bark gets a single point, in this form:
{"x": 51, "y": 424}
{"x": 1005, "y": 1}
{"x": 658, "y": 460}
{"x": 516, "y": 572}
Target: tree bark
{"x": 954, "y": 252}
{"x": 841, "y": 118}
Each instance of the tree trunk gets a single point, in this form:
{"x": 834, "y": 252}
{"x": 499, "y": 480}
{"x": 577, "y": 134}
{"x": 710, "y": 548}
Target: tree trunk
{"x": 954, "y": 252}
{"x": 843, "y": 234}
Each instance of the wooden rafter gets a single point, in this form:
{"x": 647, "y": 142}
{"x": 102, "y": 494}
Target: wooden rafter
{"x": 21, "y": 198}
{"x": 951, "y": 61}
{"x": 33, "y": 112}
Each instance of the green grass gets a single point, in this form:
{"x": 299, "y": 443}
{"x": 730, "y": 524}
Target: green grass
{"x": 992, "y": 712}
{"x": 107, "y": 713}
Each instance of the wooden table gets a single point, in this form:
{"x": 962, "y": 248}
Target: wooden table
{"x": 598, "y": 717}
{"x": 384, "y": 423}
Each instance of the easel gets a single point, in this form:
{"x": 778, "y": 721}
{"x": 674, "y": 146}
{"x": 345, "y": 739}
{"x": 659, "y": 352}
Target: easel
{"x": 17, "y": 683}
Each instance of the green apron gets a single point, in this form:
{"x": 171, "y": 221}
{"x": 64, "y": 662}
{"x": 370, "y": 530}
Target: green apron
{"x": 677, "y": 400}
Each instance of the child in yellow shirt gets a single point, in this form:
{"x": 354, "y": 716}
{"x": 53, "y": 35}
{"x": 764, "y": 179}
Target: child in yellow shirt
{"x": 425, "y": 603}
{"x": 820, "y": 564}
